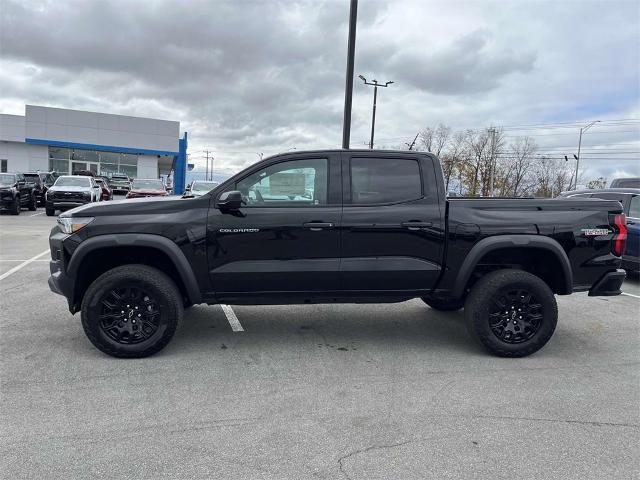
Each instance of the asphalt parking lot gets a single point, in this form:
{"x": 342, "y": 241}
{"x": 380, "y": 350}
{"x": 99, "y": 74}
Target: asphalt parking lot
{"x": 326, "y": 391}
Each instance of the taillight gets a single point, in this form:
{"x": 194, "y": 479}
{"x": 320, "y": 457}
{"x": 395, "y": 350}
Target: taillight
{"x": 620, "y": 235}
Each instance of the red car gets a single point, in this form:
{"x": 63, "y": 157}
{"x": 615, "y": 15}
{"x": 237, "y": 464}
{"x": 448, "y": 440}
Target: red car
{"x": 147, "y": 188}
{"x": 107, "y": 193}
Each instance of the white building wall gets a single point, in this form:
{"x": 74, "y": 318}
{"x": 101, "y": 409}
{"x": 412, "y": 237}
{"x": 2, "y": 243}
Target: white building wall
{"x": 74, "y": 126}
{"x": 147, "y": 166}
{"x": 22, "y": 157}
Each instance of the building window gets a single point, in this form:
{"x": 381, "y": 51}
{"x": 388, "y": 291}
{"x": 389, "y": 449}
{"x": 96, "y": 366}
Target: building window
{"x": 3, "y": 165}
{"x": 66, "y": 160}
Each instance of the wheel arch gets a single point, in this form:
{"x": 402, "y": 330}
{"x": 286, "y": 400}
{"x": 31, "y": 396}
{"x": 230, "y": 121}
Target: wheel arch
{"x": 170, "y": 259}
{"x": 534, "y": 244}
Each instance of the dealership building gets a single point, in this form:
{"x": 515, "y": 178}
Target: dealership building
{"x": 56, "y": 139}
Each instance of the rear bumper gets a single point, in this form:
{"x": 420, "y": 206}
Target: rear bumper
{"x": 609, "y": 284}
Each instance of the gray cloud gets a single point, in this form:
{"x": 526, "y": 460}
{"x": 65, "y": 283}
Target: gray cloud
{"x": 265, "y": 76}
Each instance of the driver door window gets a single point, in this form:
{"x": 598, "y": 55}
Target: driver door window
{"x": 294, "y": 183}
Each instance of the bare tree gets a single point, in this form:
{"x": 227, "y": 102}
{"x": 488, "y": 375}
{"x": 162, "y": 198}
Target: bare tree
{"x": 520, "y": 163}
{"x": 599, "y": 182}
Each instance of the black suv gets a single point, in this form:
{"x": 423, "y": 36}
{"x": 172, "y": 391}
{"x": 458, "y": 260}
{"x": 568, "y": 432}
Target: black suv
{"x": 16, "y": 192}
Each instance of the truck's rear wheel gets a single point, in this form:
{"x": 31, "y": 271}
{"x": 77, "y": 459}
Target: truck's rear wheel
{"x": 511, "y": 312}
{"x": 131, "y": 311}
{"x": 444, "y": 304}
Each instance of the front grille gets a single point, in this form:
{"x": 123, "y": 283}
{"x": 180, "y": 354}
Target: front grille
{"x": 69, "y": 196}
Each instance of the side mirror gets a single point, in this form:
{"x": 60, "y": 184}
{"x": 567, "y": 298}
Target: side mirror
{"x": 230, "y": 201}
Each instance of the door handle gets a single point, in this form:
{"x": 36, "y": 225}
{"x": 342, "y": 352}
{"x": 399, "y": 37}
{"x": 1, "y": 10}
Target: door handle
{"x": 317, "y": 226}
{"x": 416, "y": 225}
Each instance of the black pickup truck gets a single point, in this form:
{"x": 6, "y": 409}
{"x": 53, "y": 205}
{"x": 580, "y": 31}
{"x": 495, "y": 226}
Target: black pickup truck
{"x": 334, "y": 226}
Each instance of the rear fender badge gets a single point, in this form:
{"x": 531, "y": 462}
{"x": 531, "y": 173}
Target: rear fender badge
{"x": 595, "y": 232}
{"x": 239, "y": 230}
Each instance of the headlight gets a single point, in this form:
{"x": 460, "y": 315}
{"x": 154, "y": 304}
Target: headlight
{"x": 73, "y": 224}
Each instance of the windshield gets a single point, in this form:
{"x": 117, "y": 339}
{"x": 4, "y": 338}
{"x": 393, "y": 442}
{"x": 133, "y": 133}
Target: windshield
{"x": 32, "y": 177}
{"x": 204, "y": 186}
{"x": 7, "y": 179}
{"x": 148, "y": 184}
{"x": 72, "y": 182}
{"x": 119, "y": 177}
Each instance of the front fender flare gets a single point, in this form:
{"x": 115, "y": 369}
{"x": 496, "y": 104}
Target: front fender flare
{"x": 159, "y": 242}
{"x": 489, "y": 244}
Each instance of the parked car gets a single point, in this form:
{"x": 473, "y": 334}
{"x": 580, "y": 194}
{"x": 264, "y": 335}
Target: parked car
{"x": 120, "y": 183}
{"x": 141, "y": 187}
{"x": 197, "y": 188}
{"x": 377, "y": 227}
{"x": 35, "y": 182}
{"x": 16, "y": 192}
{"x": 107, "y": 193}
{"x": 630, "y": 200}
{"x": 629, "y": 182}
{"x": 70, "y": 191}
{"x": 48, "y": 179}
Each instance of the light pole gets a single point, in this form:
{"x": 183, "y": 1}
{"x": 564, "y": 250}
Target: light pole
{"x": 375, "y": 97}
{"x": 582, "y": 130}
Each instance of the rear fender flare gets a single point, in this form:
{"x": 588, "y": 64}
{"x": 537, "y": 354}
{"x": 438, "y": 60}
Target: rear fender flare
{"x": 490, "y": 244}
{"x": 158, "y": 242}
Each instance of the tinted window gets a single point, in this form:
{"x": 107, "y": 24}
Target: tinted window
{"x": 384, "y": 180}
{"x": 298, "y": 182}
{"x": 634, "y": 207}
{"x": 626, "y": 183}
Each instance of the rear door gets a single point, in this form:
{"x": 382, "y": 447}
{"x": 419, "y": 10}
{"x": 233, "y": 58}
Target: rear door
{"x": 392, "y": 223}
{"x": 285, "y": 241}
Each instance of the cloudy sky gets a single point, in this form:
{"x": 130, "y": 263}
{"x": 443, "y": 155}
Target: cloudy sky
{"x": 245, "y": 77}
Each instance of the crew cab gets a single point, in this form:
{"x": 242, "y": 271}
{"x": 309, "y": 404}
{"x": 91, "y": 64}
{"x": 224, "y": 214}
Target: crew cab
{"x": 340, "y": 226}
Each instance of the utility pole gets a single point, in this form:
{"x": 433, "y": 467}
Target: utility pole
{"x": 375, "y": 97}
{"x": 582, "y": 130}
{"x": 206, "y": 177}
{"x": 348, "y": 91}
{"x": 412, "y": 144}
{"x": 492, "y": 168}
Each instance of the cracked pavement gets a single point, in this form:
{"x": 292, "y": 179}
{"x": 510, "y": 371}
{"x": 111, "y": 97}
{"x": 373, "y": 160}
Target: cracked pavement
{"x": 317, "y": 391}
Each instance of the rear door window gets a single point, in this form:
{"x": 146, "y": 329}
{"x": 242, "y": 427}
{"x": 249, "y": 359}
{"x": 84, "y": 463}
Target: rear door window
{"x": 376, "y": 181}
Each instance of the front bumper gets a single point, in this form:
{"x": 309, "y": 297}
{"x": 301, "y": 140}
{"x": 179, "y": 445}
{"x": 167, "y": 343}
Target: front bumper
{"x": 59, "y": 281}
{"x": 609, "y": 284}
{"x": 65, "y": 204}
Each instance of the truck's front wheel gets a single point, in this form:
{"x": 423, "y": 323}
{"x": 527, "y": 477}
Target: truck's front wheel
{"x": 511, "y": 312}
{"x": 131, "y": 311}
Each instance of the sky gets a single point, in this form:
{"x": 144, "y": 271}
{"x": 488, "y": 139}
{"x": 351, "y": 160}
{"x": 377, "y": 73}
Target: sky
{"x": 246, "y": 78}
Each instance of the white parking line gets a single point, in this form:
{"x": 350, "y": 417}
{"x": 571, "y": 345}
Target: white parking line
{"x": 39, "y": 213}
{"x": 231, "y": 318}
{"x": 631, "y": 295}
{"x": 41, "y": 260}
{"x": 23, "y": 264}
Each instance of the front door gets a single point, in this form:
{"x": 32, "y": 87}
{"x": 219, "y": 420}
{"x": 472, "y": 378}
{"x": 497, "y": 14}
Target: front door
{"x": 285, "y": 241}
{"x": 392, "y": 224}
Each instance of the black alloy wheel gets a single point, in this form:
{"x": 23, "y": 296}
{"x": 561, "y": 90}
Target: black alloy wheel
{"x": 129, "y": 315}
{"x": 516, "y": 316}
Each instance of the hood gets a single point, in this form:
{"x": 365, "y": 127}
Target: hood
{"x": 6, "y": 185}
{"x": 70, "y": 188}
{"x": 135, "y": 206}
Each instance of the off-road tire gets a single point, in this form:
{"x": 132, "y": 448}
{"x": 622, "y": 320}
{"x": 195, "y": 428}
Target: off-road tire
{"x": 159, "y": 287}
{"x": 444, "y": 304}
{"x": 50, "y": 212}
{"x": 490, "y": 291}
{"x": 16, "y": 207}
{"x": 33, "y": 203}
